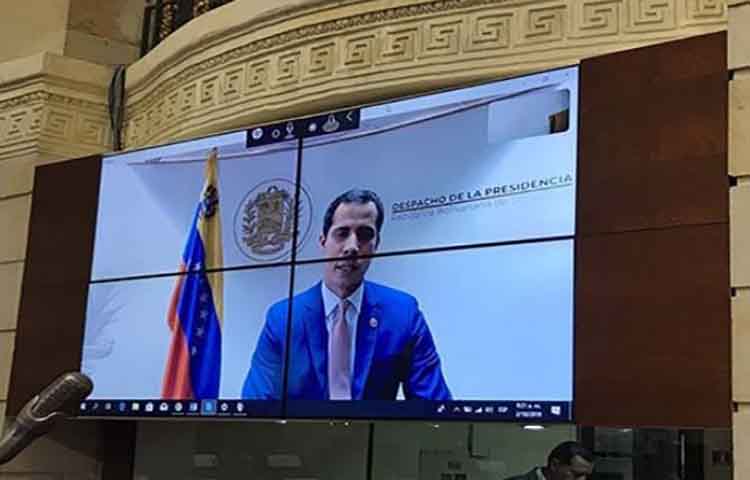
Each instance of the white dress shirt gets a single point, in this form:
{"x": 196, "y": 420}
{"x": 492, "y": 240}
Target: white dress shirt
{"x": 331, "y": 304}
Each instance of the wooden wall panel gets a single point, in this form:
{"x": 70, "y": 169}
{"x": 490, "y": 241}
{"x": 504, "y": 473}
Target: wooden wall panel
{"x": 652, "y": 338}
{"x": 55, "y": 282}
{"x": 653, "y": 137}
{"x": 49, "y": 335}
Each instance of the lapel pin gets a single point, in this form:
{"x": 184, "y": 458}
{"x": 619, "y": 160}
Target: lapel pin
{"x": 374, "y": 322}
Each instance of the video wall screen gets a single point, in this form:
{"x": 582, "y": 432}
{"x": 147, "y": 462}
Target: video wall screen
{"x": 412, "y": 259}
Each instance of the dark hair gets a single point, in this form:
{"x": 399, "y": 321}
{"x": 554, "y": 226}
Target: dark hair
{"x": 565, "y": 452}
{"x": 355, "y": 195}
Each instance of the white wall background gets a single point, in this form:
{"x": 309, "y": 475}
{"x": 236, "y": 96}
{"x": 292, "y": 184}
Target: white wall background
{"x": 450, "y": 155}
{"x": 125, "y": 350}
{"x": 501, "y": 317}
{"x": 148, "y": 199}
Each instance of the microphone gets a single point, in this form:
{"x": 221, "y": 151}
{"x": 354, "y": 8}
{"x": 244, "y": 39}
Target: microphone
{"x": 40, "y": 414}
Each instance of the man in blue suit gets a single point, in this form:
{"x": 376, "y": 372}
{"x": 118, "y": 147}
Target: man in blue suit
{"x": 350, "y": 339}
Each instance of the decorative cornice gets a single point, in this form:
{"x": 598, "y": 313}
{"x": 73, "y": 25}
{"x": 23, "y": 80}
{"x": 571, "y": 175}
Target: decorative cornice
{"x": 414, "y": 40}
{"x": 39, "y": 119}
{"x": 53, "y": 105}
{"x": 23, "y": 100}
{"x": 41, "y": 96}
{"x": 308, "y": 32}
{"x": 78, "y": 103}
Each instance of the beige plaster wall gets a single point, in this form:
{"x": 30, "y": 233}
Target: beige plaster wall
{"x": 118, "y": 20}
{"x": 54, "y": 74}
{"x": 53, "y": 83}
{"x": 106, "y": 32}
{"x": 739, "y": 166}
{"x": 33, "y": 26}
{"x": 52, "y": 108}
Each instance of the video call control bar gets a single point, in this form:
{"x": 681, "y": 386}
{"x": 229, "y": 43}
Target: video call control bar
{"x": 474, "y": 411}
{"x": 316, "y": 126}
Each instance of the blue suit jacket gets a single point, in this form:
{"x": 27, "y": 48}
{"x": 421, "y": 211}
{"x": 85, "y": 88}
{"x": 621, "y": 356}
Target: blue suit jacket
{"x": 393, "y": 346}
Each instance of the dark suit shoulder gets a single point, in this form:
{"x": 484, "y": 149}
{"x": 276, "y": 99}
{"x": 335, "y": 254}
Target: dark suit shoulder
{"x": 383, "y": 294}
{"x": 386, "y": 297}
{"x": 280, "y": 308}
{"x": 278, "y": 312}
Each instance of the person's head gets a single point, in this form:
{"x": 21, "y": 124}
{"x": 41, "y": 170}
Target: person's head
{"x": 351, "y": 229}
{"x": 569, "y": 461}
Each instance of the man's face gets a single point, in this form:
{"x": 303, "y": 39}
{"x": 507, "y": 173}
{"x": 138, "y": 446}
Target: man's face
{"x": 579, "y": 469}
{"x": 352, "y": 233}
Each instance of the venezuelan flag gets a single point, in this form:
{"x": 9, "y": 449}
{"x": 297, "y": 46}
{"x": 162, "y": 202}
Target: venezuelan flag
{"x": 195, "y": 311}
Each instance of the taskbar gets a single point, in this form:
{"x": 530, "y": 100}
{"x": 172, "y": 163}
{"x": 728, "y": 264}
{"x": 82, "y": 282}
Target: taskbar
{"x": 470, "y": 410}
{"x": 160, "y": 408}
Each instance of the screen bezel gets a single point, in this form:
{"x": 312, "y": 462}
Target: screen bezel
{"x": 292, "y": 263}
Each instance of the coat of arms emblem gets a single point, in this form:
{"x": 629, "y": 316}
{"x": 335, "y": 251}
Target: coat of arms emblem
{"x": 209, "y": 202}
{"x": 268, "y": 221}
{"x": 264, "y": 223}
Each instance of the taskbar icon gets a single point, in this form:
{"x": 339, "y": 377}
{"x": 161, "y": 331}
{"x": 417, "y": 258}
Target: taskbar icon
{"x": 164, "y": 408}
{"x": 545, "y": 411}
